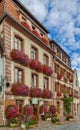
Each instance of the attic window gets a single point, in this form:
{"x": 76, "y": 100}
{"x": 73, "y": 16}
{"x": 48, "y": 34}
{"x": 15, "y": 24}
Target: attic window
{"x": 41, "y": 34}
{"x": 23, "y": 18}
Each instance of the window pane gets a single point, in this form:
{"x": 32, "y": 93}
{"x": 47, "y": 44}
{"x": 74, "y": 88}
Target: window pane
{"x": 17, "y": 43}
{"x": 45, "y": 83}
{"x": 34, "y": 80}
{"x": 18, "y": 75}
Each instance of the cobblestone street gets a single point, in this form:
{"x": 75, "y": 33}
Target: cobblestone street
{"x": 50, "y": 126}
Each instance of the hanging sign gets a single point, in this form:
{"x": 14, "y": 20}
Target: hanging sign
{"x": 34, "y": 100}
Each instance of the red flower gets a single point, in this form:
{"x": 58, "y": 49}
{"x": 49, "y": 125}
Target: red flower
{"x": 47, "y": 70}
{"x": 28, "y": 110}
{"x": 35, "y": 32}
{"x": 71, "y": 80}
{"x": 25, "y": 24}
{"x": 11, "y": 111}
{"x": 59, "y": 94}
{"x": 20, "y": 57}
{"x": 45, "y": 40}
{"x": 36, "y": 92}
{"x": 43, "y": 108}
{"x": 47, "y": 93}
{"x": 52, "y": 109}
{"x": 20, "y": 89}
{"x": 59, "y": 76}
{"x": 34, "y": 64}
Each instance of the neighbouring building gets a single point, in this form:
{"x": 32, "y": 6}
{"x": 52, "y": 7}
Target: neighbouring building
{"x": 63, "y": 77}
{"x": 76, "y": 95}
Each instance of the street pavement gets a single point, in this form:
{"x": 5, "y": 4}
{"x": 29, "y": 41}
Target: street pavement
{"x": 47, "y": 125}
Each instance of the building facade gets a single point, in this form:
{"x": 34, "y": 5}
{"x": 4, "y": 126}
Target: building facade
{"x": 29, "y": 62}
{"x": 28, "y": 57}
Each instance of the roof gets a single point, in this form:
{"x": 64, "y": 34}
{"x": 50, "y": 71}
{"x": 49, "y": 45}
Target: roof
{"x": 30, "y": 14}
{"x": 52, "y": 41}
{"x": 14, "y": 21}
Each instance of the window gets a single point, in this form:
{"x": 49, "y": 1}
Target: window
{"x": 45, "y": 60}
{"x": 19, "y": 103}
{"x": 34, "y": 80}
{"x": 34, "y": 53}
{"x": 18, "y": 43}
{"x": 18, "y": 75}
{"x": 46, "y": 83}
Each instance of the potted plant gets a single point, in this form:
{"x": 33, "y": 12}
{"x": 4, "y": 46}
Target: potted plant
{"x": 43, "y": 111}
{"x": 45, "y": 40}
{"x": 35, "y": 32}
{"x": 11, "y": 113}
{"x": 59, "y": 94}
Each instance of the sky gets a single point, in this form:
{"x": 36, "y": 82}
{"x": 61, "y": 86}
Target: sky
{"x": 62, "y": 19}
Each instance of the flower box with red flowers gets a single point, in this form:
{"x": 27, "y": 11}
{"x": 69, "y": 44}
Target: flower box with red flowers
{"x": 47, "y": 94}
{"x": 36, "y": 92}
{"x": 11, "y": 111}
{"x": 28, "y": 110}
{"x": 34, "y": 64}
{"x": 45, "y": 40}
{"x": 59, "y": 94}
{"x": 35, "y": 32}
{"x": 39, "y": 67}
{"x": 20, "y": 89}
{"x": 26, "y": 25}
{"x": 47, "y": 70}
{"x": 71, "y": 80}
{"x": 70, "y": 95}
{"x": 20, "y": 57}
{"x": 59, "y": 76}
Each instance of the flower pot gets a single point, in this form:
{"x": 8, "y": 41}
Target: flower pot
{"x": 13, "y": 124}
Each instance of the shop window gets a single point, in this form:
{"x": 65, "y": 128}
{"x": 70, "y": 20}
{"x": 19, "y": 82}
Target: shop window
{"x": 19, "y": 104}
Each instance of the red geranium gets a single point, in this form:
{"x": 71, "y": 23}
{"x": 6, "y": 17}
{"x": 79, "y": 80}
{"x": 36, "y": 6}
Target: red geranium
{"x": 28, "y": 110}
{"x": 52, "y": 109}
{"x": 33, "y": 64}
{"x": 43, "y": 109}
{"x": 25, "y": 24}
{"x": 47, "y": 70}
{"x": 59, "y": 76}
{"x": 71, "y": 80}
{"x": 36, "y": 92}
{"x": 59, "y": 94}
{"x": 45, "y": 40}
{"x": 47, "y": 93}
{"x": 20, "y": 89}
{"x": 35, "y": 32}
{"x": 11, "y": 111}
{"x": 20, "y": 57}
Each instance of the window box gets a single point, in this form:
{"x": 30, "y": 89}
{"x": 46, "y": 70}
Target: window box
{"x": 47, "y": 70}
{"x": 36, "y": 92}
{"x": 20, "y": 89}
{"x": 35, "y": 32}
{"x": 45, "y": 40}
{"x": 47, "y": 94}
{"x": 20, "y": 57}
{"x": 26, "y": 25}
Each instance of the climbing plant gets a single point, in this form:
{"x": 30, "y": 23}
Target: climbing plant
{"x": 67, "y": 101}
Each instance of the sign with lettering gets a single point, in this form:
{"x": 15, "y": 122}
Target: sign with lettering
{"x": 34, "y": 100}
